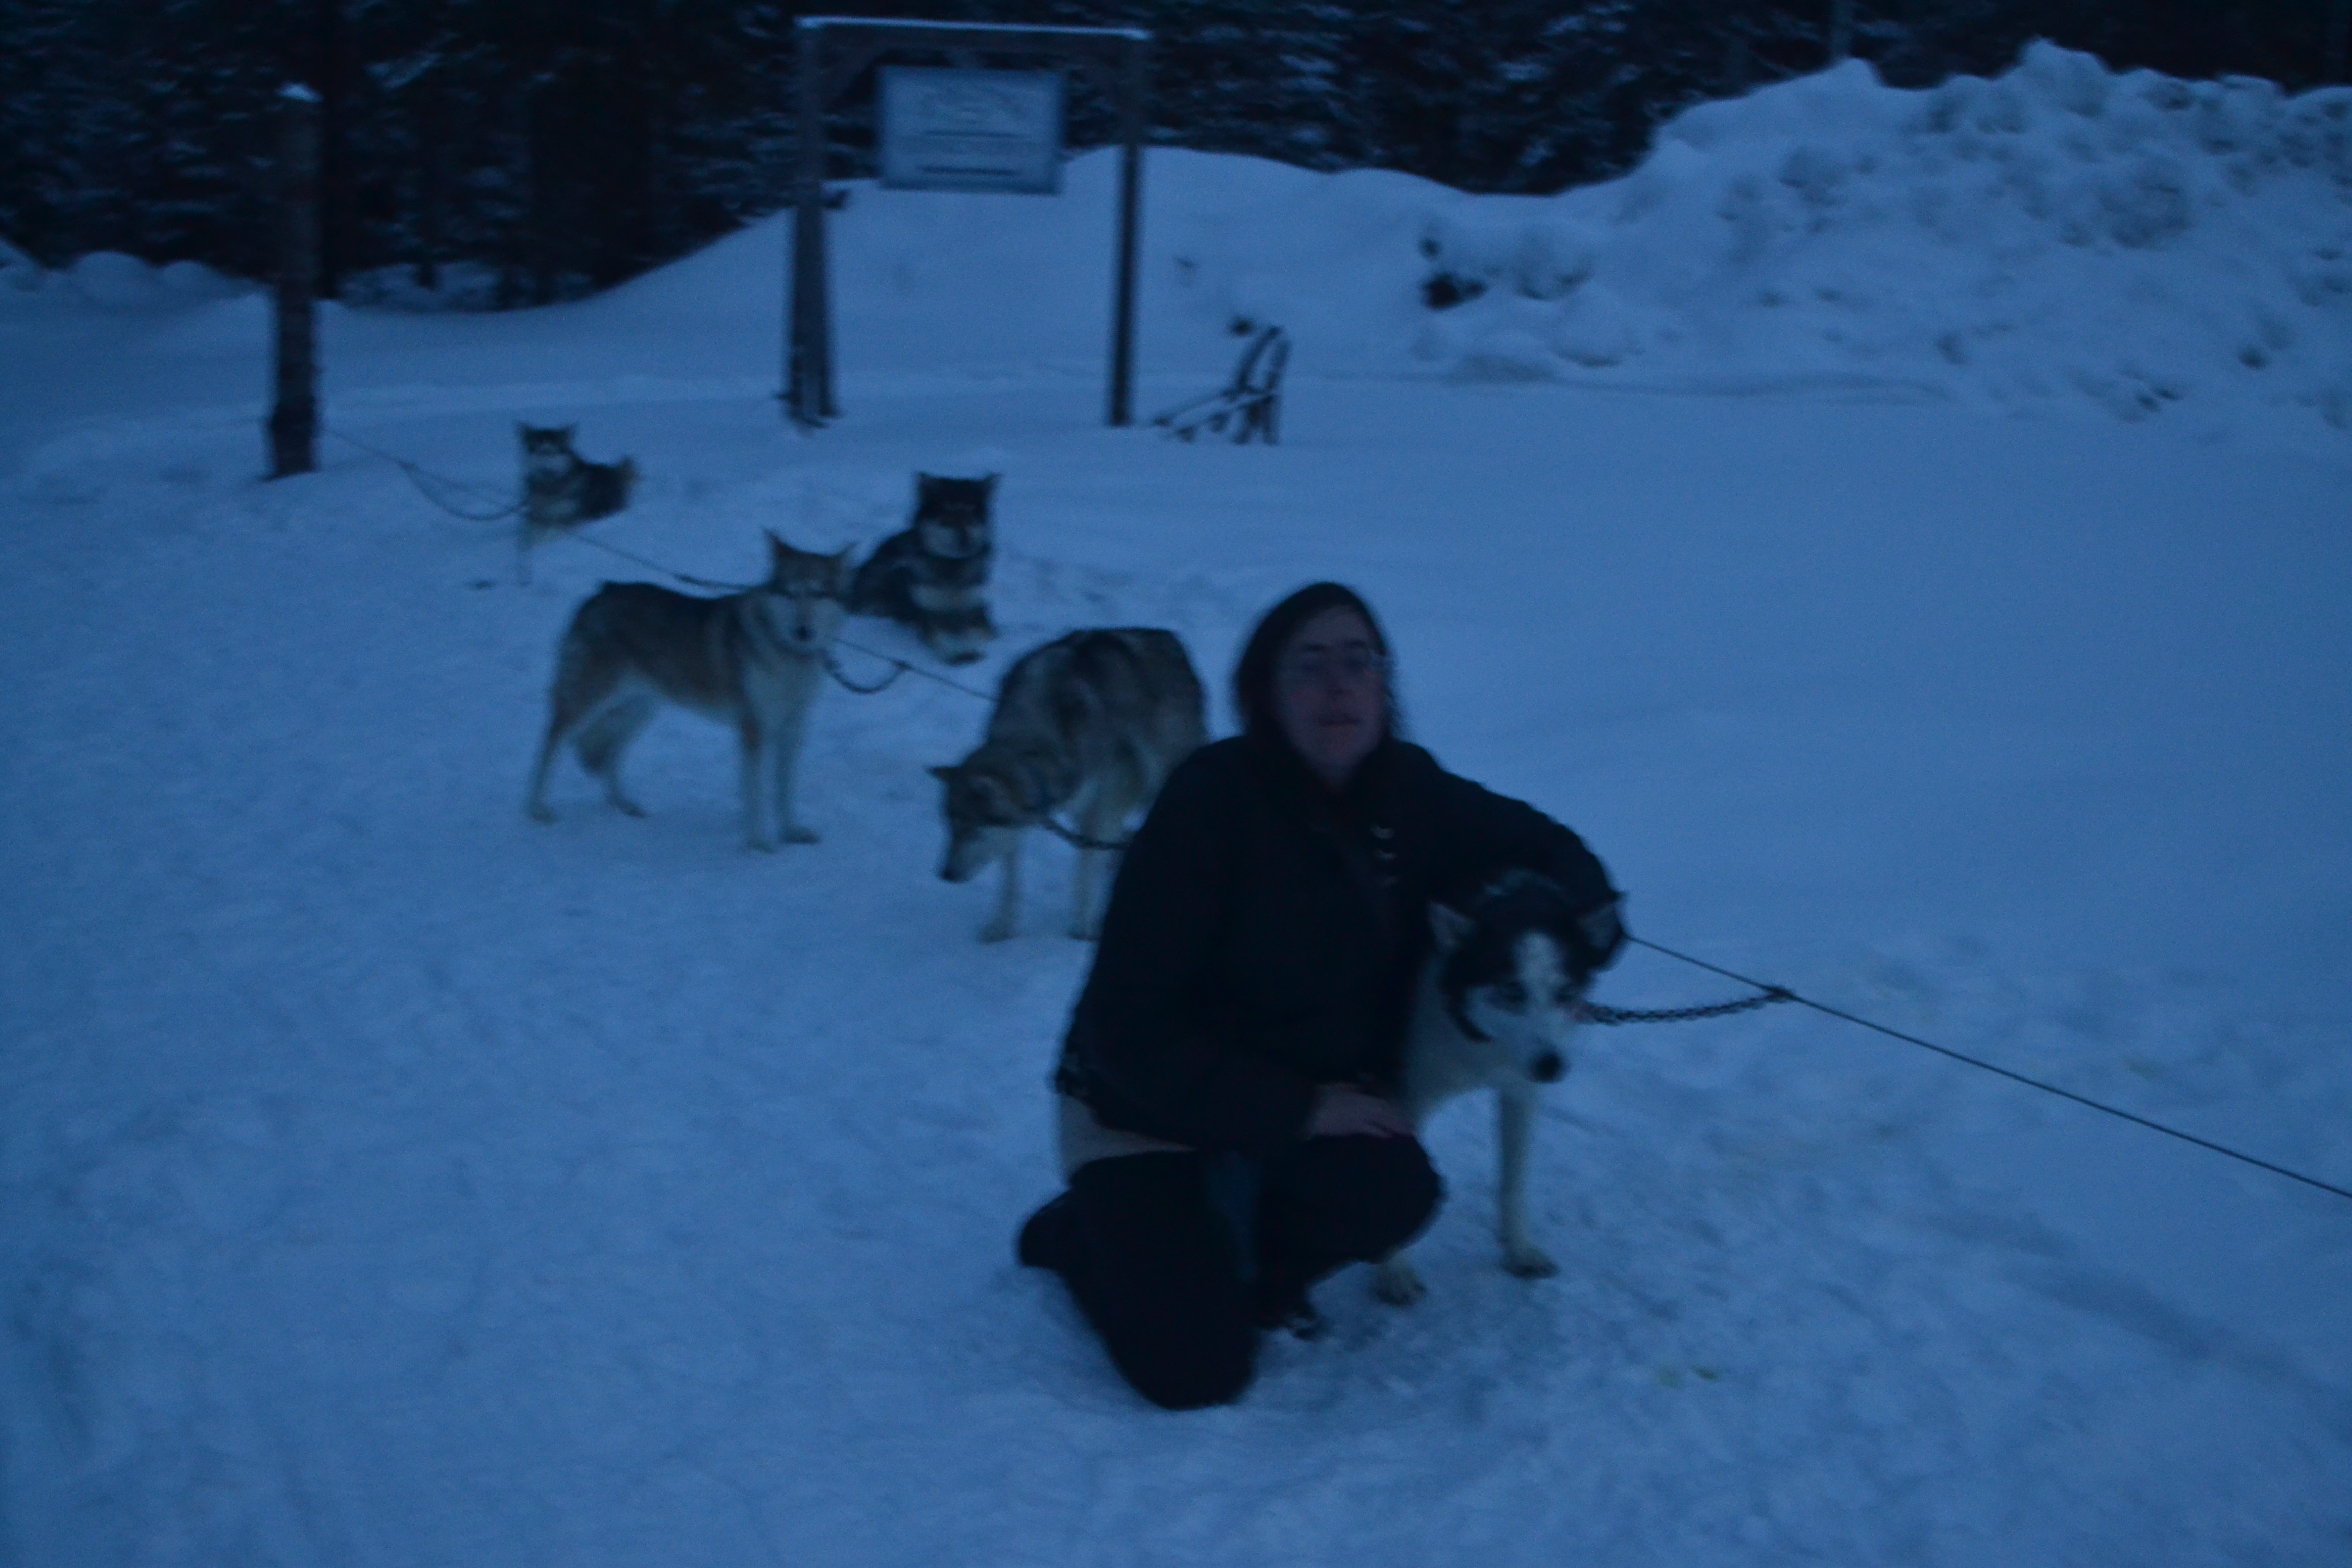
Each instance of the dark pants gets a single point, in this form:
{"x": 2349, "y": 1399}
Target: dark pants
{"x": 1158, "y": 1272}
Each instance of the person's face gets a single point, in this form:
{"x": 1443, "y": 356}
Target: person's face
{"x": 1330, "y": 694}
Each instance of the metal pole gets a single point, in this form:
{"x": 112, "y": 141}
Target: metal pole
{"x": 294, "y": 418}
{"x": 1134, "y": 83}
{"x": 806, "y": 399}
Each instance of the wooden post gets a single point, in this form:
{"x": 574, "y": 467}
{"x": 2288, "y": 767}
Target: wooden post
{"x": 808, "y": 352}
{"x": 294, "y": 420}
{"x": 1134, "y": 65}
{"x": 830, "y": 52}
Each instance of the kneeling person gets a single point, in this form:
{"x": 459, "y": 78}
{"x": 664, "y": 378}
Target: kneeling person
{"x": 1228, "y": 1116}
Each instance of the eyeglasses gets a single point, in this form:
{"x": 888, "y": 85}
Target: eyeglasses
{"x": 1354, "y": 662}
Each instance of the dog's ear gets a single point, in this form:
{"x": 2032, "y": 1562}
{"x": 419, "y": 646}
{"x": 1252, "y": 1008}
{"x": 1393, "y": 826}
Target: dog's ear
{"x": 1602, "y": 931}
{"x": 1448, "y": 927}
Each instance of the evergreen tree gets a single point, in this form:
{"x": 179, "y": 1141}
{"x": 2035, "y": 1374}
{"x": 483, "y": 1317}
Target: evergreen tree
{"x": 568, "y": 143}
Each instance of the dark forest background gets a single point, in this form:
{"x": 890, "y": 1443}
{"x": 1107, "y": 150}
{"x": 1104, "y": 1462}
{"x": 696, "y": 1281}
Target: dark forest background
{"x": 567, "y": 144}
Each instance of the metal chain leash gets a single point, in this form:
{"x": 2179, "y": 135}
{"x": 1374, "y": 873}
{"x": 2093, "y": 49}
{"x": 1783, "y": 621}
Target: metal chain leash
{"x": 899, "y": 666}
{"x": 1053, "y": 825}
{"x": 1596, "y": 1014}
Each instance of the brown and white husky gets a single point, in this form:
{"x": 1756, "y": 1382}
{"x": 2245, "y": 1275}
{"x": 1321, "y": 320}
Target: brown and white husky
{"x": 753, "y": 659}
{"x": 1089, "y": 723}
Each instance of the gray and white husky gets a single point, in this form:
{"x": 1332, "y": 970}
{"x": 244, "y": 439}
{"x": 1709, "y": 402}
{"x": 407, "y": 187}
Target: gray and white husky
{"x": 933, "y": 574}
{"x": 1091, "y": 723}
{"x": 753, "y": 659}
{"x": 562, "y": 490}
{"x": 1502, "y": 994}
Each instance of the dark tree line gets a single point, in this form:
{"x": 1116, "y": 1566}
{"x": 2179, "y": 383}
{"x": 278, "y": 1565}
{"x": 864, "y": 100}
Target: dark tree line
{"x": 570, "y": 144}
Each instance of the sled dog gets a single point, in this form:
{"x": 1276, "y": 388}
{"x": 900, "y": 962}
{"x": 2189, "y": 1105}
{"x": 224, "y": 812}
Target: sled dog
{"x": 1091, "y": 722}
{"x": 1503, "y": 992}
{"x": 753, "y": 659}
{"x": 933, "y": 575}
{"x": 562, "y": 490}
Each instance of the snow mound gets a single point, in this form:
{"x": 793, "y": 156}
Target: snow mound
{"x": 2060, "y": 231}
{"x": 18, "y": 271}
{"x": 108, "y": 280}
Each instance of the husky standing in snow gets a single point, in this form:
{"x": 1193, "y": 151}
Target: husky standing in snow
{"x": 753, "y": 659}
{"x": 1503, "y": 991}
{"x": 933, "y": 575}
{"x": 1091, "y": 722}
{"x": 562, "y": 490}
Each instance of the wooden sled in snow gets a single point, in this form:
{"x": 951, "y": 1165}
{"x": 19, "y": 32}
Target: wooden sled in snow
{"x": 1249, "y": 404}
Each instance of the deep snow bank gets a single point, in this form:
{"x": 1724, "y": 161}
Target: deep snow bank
{"x": 2059, "y": 231}
{"x": 2059, "y": 234}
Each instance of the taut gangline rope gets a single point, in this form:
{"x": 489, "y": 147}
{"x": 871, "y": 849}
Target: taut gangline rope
{"x": 1778, "y": 992}
{"x": 424, "y": 479}
{"x": 1766, "y": 994}
{"x": 899, "y": 666}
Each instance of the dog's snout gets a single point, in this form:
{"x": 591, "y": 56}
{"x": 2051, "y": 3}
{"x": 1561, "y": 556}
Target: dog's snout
{"x": 1549, "y": 1066}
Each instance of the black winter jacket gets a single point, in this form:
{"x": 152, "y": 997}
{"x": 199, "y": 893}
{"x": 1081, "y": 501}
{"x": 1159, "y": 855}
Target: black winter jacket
{"x": 1263, "y": 935}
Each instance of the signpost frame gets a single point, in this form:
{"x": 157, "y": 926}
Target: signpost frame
{"x": 832, "y": 52}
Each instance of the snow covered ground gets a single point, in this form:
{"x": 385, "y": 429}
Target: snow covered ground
{"x": 391, "y": 1181}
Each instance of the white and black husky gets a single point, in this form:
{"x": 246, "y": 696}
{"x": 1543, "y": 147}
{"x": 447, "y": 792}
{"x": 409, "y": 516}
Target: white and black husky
{"x": 1502, "y": 994}
{"x": 933, "y": 575}
{"x": 1091, "y": 723}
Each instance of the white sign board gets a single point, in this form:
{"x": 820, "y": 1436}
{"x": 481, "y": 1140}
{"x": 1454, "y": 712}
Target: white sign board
{"x": 971, "y": 130}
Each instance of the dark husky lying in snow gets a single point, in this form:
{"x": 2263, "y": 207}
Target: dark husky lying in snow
{"x": 933, "y": 575}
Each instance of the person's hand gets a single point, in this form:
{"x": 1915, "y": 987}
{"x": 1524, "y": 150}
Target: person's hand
{"x": 1343, "y": 1111}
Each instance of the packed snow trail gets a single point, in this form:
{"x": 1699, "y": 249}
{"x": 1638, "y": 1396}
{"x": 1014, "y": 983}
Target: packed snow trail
{"x": 393, "y": 1181}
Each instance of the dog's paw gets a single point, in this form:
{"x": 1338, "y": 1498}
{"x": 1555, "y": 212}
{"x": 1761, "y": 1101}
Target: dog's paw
{"x": 796, "y": 833}
{"x": 1398, "y": 1283}
{"x": 1528, "y": 1261}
